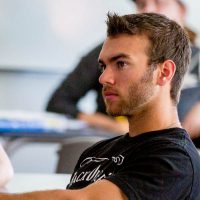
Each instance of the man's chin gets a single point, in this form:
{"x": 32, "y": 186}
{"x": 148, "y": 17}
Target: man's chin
{"x": 114, "y": 109}
{"x": 113, "y": 113}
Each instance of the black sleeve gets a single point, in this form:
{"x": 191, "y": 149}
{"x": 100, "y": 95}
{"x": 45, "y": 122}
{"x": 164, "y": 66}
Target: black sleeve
{"x": 84, "y": 78}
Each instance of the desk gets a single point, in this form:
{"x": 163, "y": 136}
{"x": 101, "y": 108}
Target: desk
{"x": 26, "y": 182}
{"x": 72, "y": 144}
{"x": 18, "y": 129}
{"x": 14, "y": 140}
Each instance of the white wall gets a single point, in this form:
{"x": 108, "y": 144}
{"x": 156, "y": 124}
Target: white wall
{"x": 52, "y": 35}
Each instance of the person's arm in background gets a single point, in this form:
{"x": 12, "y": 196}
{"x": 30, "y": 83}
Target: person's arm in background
{"x": 83, "y": 79}
{"x": 6, "y": 169}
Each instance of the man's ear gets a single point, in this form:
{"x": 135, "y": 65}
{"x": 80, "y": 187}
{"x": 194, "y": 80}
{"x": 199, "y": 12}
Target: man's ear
{"x": 166, "y": 71}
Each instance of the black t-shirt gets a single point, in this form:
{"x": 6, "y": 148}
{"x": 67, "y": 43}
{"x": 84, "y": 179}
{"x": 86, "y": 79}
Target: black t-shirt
{"x": 155, "y": 165}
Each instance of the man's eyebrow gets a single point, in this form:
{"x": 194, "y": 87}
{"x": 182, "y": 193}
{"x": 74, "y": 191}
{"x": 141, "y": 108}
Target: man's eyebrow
{"x": 114, "y": 58}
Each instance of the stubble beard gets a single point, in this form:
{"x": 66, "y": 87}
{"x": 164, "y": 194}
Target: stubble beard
{"x": 138, "y": 96}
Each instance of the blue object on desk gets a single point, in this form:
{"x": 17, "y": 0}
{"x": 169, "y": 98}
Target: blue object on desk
{"x": 37, "y": 123}
{"x": 21, "y": 126}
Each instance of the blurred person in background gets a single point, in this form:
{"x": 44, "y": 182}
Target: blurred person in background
{"x": 85, "y": 75}
{"x": 6, "y": 169}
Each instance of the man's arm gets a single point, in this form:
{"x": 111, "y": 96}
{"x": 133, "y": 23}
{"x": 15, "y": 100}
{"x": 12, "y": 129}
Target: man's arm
{"x": 81, "y": 80}
{"x": 100, "y": 190}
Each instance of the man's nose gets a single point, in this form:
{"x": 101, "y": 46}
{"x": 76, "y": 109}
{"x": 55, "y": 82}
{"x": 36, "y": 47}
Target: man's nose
{"x": 107, "y": 77}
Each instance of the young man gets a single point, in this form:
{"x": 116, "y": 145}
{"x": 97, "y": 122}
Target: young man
{"x": 143, "y": 62}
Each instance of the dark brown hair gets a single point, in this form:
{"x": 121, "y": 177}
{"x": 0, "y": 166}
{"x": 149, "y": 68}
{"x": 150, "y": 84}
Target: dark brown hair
{"x": 167, "y": 41}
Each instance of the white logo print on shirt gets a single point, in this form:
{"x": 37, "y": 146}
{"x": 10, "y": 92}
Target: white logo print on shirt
{"x": 118, "y": 160}
{"x": 92, "y": 159}
{"x": 96, "y": 173}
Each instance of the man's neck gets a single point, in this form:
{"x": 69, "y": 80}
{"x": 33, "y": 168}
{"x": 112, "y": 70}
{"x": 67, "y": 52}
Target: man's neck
{"x": 157, "y": 119}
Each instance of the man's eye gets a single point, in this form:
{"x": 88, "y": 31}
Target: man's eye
{"x": 121, "y": 64}
{"x": 102, "y": 67}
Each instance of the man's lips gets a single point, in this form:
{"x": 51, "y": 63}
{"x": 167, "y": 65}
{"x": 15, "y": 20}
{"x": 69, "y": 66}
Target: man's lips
{"x": 109, "y": 95}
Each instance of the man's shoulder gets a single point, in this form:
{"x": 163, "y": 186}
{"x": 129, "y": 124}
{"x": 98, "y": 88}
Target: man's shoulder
{"x": 104, "y": 142}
